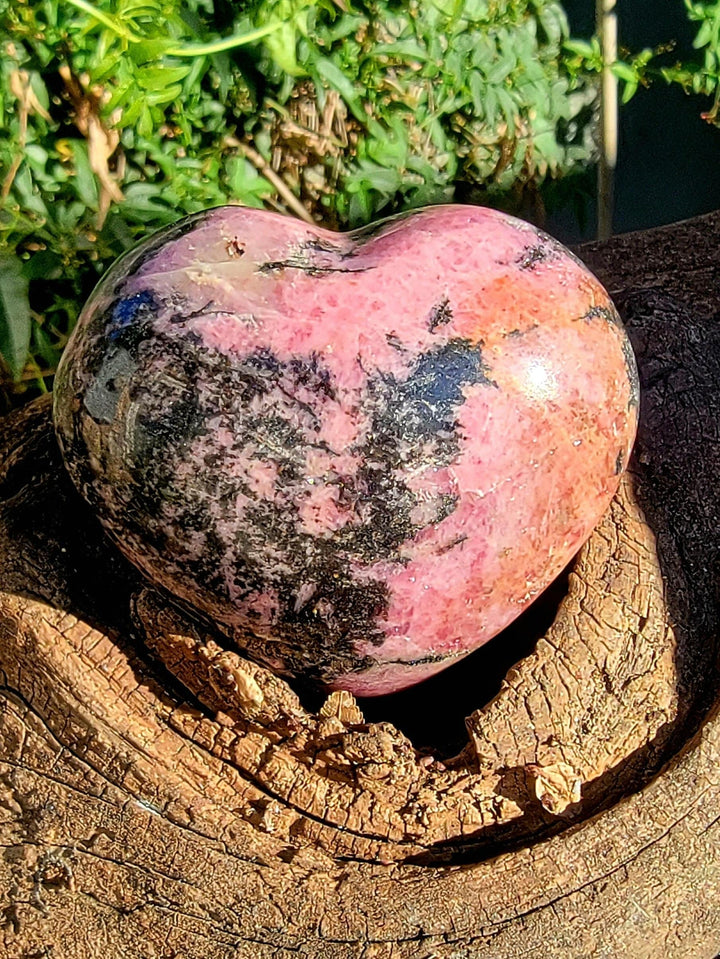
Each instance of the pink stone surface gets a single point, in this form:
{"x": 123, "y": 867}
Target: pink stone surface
{"x": 366, "y": 453}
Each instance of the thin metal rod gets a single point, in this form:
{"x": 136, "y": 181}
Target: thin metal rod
{"x": 606, "y": 25}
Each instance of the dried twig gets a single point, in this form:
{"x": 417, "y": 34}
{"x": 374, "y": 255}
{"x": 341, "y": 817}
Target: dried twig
{"x": 102, "y": 141}
{"x": 271, "y": 176}
{"x": 27, "y": 103}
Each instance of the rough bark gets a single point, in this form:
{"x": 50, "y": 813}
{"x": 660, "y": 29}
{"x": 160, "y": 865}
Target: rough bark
{"x": 161, "y": 796}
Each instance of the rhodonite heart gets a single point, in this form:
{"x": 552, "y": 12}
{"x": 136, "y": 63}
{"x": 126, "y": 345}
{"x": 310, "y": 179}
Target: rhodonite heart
{"x": 362, "y": 453}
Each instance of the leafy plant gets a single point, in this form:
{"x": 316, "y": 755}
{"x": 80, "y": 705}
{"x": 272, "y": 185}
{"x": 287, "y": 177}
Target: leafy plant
{"x": 119, "y": 116}
{"x": 703, "y": 77}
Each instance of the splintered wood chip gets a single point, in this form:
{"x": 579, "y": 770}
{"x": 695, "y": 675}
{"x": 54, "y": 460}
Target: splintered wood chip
{"x": 556, "y": 786}
{"x": 342, "y": 705}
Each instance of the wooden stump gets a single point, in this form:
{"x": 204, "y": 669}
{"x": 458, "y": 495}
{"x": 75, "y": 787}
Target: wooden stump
{"x": 556, "y": 795}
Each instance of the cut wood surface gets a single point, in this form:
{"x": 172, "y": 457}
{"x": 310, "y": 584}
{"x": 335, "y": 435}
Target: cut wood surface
{"x": 556, "y": 795}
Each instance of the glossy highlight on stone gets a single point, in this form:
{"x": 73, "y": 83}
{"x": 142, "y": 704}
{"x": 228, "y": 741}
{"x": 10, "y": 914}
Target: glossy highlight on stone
{"x": 364, "y": 454}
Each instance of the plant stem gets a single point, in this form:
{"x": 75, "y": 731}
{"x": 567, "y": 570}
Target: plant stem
{"x": 186, "y": 50}
{"x": 110, "y": 22}
{"x": 277, "y": 181}
{"x": 607, "y": 29}
{"x": 205, "y": 49}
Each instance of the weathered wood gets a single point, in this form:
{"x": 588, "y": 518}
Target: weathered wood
{"x": 162, "y": 796}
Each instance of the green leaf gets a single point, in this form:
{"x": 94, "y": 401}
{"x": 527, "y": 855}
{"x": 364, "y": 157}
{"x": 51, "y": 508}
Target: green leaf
{"x": 151, "y": 49}
{"x": 476, "y": 9}
{"x": 346, "y": 26}
{"x": 36, "y": 156}
{"x": 390, "y": 150}
{"x": 502, "y": 68}
{"x": 84, "y": 177}
{"x": 629, "y": 91}
{"x": 120, "y": 96}
{"x": 15, "y": 320}
{"x": 167, "y": 95}
{"x": 508, "y": 107}
{"x": 580, "y": 48}
{"x": 145, "y": 123}
{"x": 623, "y": 71}
{"x": 245, "y": 183}
{"x": 282, "y": 48}
{"x": 338, "y": 81}
{"x": 155, "y": 79}
{"x": 409, "y": 49}
{"x": 490, "y": 106}
{"x": 360, "y": 210}
{"x": 477, "y": 86}
{"x": 39, "y": 89}
{"x": 704, "y": 35}
{"x": 30, "y": 197}
{"x": 554, "y": 23}
{"x": 145, "y": 202}
{"x": 44, "y": 265}
{"x": 137, "y": 8}
{"x": 379, "y": 178}
{"x": 132, "y": 111}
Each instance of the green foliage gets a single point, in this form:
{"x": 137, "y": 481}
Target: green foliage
{"x": 445, "y": 91}
{"x": 119, "y": 116}
{"x": 703, "y": 77}
{"x": 586, "y": 57}
{"x": 15, "y": 322}
{"x": 700, "y": 77}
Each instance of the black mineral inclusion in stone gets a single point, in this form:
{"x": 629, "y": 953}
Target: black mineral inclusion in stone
{"x": 534, "y": 255}
{"x": 129, "y": 321}
{"x": 423, "y": 406}
{"x": 321, "y": 609}
{"x": 440, "y": 314}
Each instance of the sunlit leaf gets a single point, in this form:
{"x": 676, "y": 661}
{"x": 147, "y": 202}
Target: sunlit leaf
{"x": 623, "y": 71}
{"x": 159, "y": 78}
{"x": 581, "y": 48}
{"x": 344, "y": 86}
{"x": 84, "y": 180}
{"x": 629, "y": 91}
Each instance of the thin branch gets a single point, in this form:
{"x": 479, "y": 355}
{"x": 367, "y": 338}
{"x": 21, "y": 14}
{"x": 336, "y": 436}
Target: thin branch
{"x": 186, "y": 50}
{"x": 110, "y": 22}
{"x": 205, "y": 49}
{"x": 280, "y": 185}
{"x": 607, "y": 29}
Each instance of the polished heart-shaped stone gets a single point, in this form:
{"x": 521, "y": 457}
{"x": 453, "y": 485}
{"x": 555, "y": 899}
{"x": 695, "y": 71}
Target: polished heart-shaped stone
{"x": 363, "y": 454}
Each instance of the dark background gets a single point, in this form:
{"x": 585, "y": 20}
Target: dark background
{"x": 669, "y": 157}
